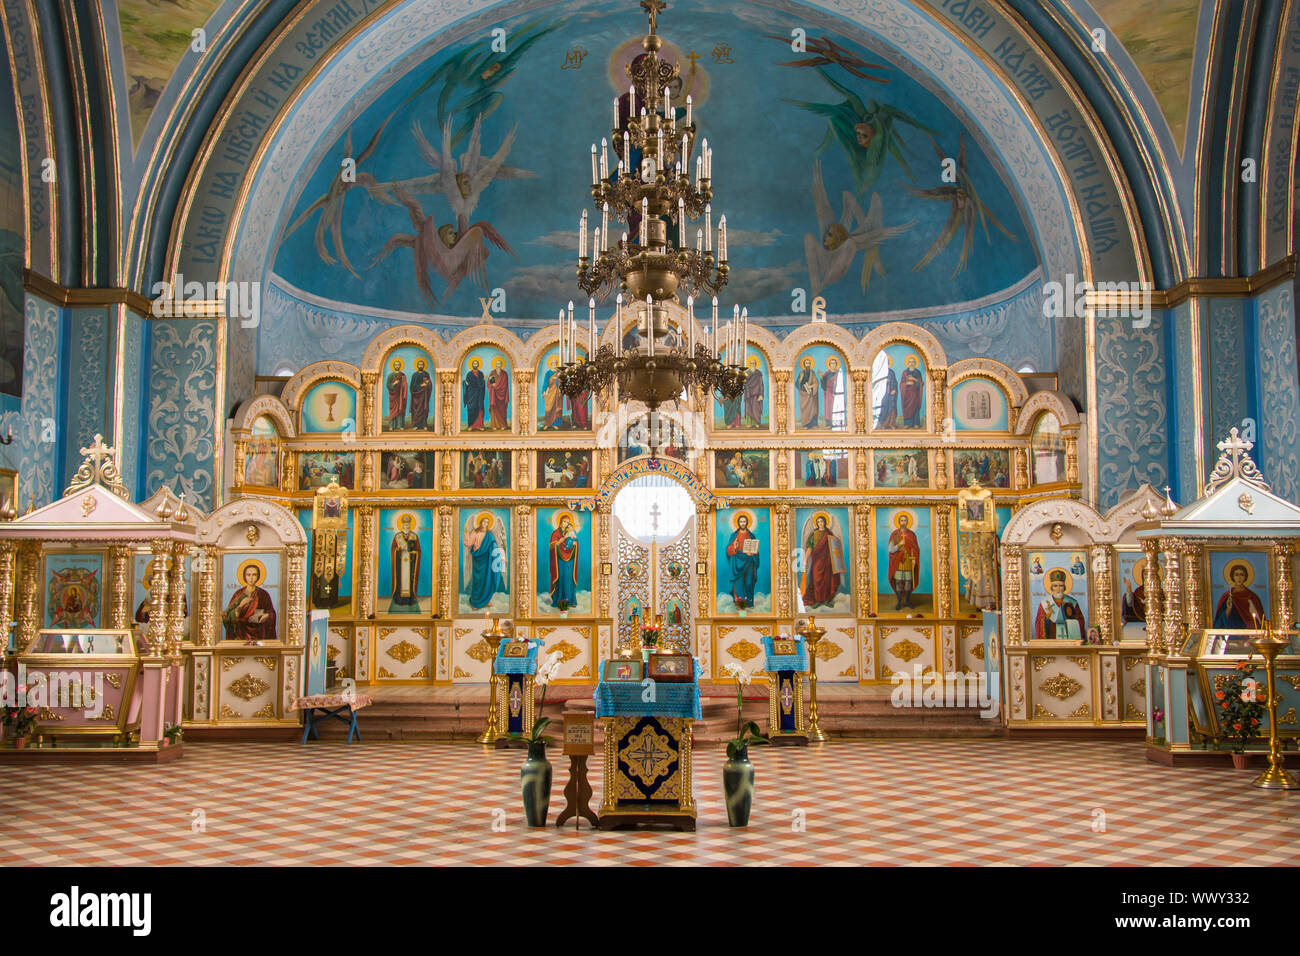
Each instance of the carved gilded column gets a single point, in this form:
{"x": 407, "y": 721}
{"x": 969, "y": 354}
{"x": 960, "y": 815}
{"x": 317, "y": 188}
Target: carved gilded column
{"x": 27, "y": 603}
{"x": 159, "y": 589}
{"x": 177, "y": 599}
{"x": 364, "y": 521}
{"x": 523, "y": 562}
{"x": 1072, "y": 458}
{"x": 8, "y": 550}
{"x": 1021, "y": 458}
{"x": 446, "y": 470}
{"x": 288, "y": 471}
{"x": 780, "y": 386}
{"x": 447, "y": 381}
{"x": 1173, "y": 612}
{"x": 1104, "y": 614}
{"x": 943, "y": 573}
{"x": 119, "y": 586}
{"x": 861, "y": 383}
{"x": 1151, "y": 593}
{"x": 783, "y": 552}
{"x": 369, "y": 399}
{"x": 605, "y": 459}
{"x": 1283, "y": 608}
{"x": 297, "y": 599}
{"x": 702, "y": 540}
{"x": 445, "y": 606}
{"x": 523, "y": 396}
{"x": 860, "y": 479}
{"x": 1013, "y": 613}
{"x": 603, "y": 544}
{"x": 782, "y": 456}
{"x": 863, "y": 551}
{"x": 1194, "y": 575}
{"x": 940, "y": 468}
{"x": 205, "y": 569}
{"x": 241, "y": 455}
{"x": 368, "y": 471}
{"x": 939, "y": 378}
{"x": 523, "y": 469}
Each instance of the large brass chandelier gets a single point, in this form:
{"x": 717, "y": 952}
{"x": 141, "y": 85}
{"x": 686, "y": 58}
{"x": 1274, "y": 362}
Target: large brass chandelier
{"x": 652, "y": 193}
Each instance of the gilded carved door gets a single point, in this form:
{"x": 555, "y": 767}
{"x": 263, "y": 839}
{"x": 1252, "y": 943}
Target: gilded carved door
{"x": 652, "y": 578}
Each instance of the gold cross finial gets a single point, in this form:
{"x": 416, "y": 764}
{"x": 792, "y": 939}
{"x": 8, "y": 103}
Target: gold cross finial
{"x": 99, "y": 467}
{"x": 1235, "y": 463}
{"x": 652, "y": 9}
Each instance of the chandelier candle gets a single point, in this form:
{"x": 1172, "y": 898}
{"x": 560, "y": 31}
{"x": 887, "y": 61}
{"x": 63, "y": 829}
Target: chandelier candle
{"x": 661, "y": 269}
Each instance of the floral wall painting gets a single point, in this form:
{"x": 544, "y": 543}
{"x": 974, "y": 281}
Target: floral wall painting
{"x": 406, "y": 390}
{"x": 329, "y": 408}
{"x": 904, "y": 562}
{"x": 899, "y": 389}
{"x": 743, "y": 569}
{"x": 405, "y": 561}
{"x": 822, "y": 578}
{"x": 485, "y": 564}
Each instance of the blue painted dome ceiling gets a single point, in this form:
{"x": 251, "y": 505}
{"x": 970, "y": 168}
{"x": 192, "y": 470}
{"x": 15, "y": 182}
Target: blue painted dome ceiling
{"x": 829, "y": 165}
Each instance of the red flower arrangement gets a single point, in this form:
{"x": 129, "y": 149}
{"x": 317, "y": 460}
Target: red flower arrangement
{"x": 1240, "y": 706}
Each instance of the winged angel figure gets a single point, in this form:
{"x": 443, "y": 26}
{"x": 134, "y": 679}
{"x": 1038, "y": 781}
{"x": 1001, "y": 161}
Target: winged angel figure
{"x": 967, "y": 209}
{"x": 831, "y": 256}
{"x": 452, "y": 251}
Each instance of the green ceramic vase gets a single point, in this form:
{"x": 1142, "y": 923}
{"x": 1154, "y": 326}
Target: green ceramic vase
{"x": 535, "y": 777}
{"x": 738, "y": 787}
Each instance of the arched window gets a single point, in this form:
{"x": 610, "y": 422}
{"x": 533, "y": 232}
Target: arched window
{"x": 654, "y": 508}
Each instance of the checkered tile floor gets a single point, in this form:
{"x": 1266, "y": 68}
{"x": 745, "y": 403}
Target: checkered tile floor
{"x": 894, "y": 801}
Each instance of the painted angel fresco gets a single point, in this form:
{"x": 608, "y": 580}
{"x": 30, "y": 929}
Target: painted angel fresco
{"x": 831, "y": 256}
{"x": 967, "y": 209}
{"x": 450, "y": 252}
{"x": 826, "y": 51}
{"x": 330, "y": 205}
{"x": 866, "y": 131}
{"x": 472, "y": 79}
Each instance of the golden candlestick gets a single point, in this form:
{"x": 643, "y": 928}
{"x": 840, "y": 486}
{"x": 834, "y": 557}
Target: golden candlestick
{"x": 812, "y": 635}
{"x": 1275, "y": 777}
{"x": 494, "y": 636}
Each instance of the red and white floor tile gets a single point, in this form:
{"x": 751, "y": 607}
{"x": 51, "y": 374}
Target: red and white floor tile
{"x": 860, "y": 802}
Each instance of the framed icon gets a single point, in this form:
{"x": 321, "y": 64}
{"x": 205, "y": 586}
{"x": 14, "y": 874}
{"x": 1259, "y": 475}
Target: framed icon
{"x": 701, "y": 568}
{"x": 607, "y": 568}
{"x": 516, "y": 649}
{"x": 671, "y": 668}
{"x": 622, "y": 672}
{"x": 783, "y": 647}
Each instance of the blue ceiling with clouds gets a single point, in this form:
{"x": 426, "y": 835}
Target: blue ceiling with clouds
{"x": 876, "y": 134}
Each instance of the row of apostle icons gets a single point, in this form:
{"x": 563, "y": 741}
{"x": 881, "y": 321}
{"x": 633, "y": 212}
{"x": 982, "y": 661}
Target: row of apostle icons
{"x": 814, "y": 469}
{"x": 900, "y": 396}
{"x": 904, "y": 562}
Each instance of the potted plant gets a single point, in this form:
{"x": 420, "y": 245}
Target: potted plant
{"x": 738, "y": 772}
{"x": 535, "y": 774}
{"x": 1240, "y": 711}
{"x": 20, "y": 719}
{"x": 650, "y": 638}
{"x": 172, "y": 735}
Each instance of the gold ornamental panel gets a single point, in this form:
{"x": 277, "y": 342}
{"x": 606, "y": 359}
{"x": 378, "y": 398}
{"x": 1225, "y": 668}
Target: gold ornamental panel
{"x": 744, "y": 650}
{"x": 1060, "y": 686}
{"x": 481, "y": 652}
{"x": 906, "y": 650}
{"x": 566, "y": 650}
{"x": 403, "y": 652}
{"x": 248, "y": 687}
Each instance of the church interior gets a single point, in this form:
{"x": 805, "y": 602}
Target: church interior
{"x": 798, "y": 409}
